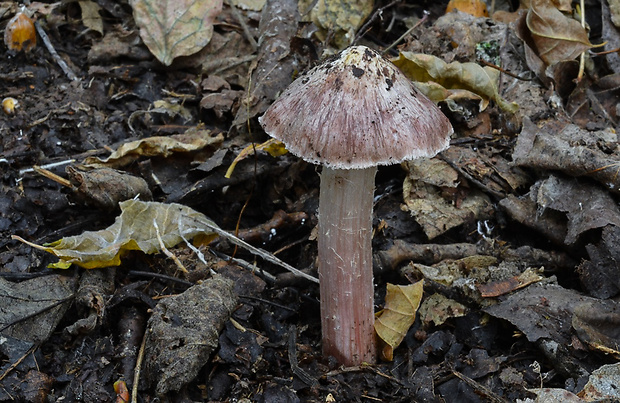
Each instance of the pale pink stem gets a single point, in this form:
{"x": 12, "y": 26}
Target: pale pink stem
{"x": 345, "y": 264}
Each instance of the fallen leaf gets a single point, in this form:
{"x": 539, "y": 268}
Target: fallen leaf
{"x": 477, "y": 8}
{"x": 567, "y": 148}
{"x": 106, "y": 187}
{"x": 600, "y": 275}
{"x": 497, "y": 288}
{"x": 175, "y": 28}
{"x": 138, "y": 227}
{"x": 340, "y": 18}
{"x": 273, "y": 147}
{"x": 438, "y": 309}
{"x": 602, "y": 384}
{"x": 31, "y": 310}
{"x": 555, "y": 36}
{"x": 276, "y": 63}
{"x": 401, "y": 305}
{"x": 164, "y": 146}
{"x": 596, "y": 323}
{"x": 184, "y": 330}
{"x": 90, "y": 16}
{"x": 454, "y": 76}
{"x": 586, "y": 206}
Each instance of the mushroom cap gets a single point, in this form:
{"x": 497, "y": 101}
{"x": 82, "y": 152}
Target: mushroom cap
{"x": 354, "y": 111}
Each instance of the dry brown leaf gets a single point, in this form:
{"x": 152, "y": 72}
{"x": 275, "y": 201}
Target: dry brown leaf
{"x": 401, "y": 305}
{"x": 90, "y": 16}
{"x": 175, "y": 28}
{"x": 555, "y": 36}
{"x": 497, "y": 288}
{"x": 192, "y": 140}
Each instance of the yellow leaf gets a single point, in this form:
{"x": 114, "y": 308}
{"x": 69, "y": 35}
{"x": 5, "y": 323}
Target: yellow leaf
{"x": 273, "y": 147}
{"x": 401, "y": 305}
{"x": 139, "y": 227}
{"x": 453, "y": 76}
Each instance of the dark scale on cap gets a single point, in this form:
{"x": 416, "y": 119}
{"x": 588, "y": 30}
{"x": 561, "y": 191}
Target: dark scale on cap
{"x": 357, "y": 72}
{"x": 389, "y": 83}
{"x": 337, "y": 84}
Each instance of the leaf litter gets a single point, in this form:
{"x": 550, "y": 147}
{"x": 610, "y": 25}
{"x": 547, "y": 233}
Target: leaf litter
{"x": 521, "y": 209}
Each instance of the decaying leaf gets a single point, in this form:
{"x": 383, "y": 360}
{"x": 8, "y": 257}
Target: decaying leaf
{"x": 175, "y": 28}
{"x": 184, "y": 330}
{"x": 602, "y": 384}
{"x": 32, "y": 309}
{"x": 454, "y": 76}
{"x": 567, "y": 148}
{"x": 586, "y": 206}
{"x": 401, "y": 305}
{"x": 600, "y": 275}
{"x": 106, "y": 187}
{"x": 138, "y": 227}
{"x": 555, "y": 37}
{"x": 501, "y": 287}
{"x": 438, "y": 308}
{"x": 90, "y": 15}
{"x": 545, "y": 310}
{"x": 192, "y": 140}
{"x": 431, "y": 210}
{"x": 596, "y": 323}
{"x": 340, "y": 18}
{"x": 477, "y": 8}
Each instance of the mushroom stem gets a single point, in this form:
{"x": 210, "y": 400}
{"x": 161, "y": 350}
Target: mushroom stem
{"x": 345, "y": 264}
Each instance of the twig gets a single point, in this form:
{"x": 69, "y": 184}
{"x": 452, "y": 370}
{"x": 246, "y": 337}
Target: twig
{"x": 256, "y": 251}
{"x": 496, "y": 67}
{"x": 377, "y": 13}
{"x": 249, "y": 266}
{"x": 136, "y": 372}
{"x": 479, "y": 388}
{"x": 409, "y": 31}
{"x": 292, "y": 359}
{"x": 244, "y": 26}
{"x": 19, "y": 361}
{"x": 582, "y": 58}
{"x": 50, "y": 48}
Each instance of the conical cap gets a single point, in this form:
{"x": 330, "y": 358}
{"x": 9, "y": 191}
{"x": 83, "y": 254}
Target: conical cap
{"x": 354, "y": 111}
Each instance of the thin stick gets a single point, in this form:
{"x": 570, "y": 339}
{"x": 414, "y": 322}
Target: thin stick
{"x": 19, "y": 361}
{"x": 50, "y": 48}
{"x": 582, "y": 59}
{"x": 256, "y": 251}
{"x": 136, "y": 371}
{"x": 409, "y": 31}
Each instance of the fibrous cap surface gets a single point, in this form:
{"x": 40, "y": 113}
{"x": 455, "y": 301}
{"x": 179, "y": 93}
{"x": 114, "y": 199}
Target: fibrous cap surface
{"x": 354, "y": 111}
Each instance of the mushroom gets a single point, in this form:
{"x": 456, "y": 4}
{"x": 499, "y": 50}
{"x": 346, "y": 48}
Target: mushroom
{"x": 351, "y": 113}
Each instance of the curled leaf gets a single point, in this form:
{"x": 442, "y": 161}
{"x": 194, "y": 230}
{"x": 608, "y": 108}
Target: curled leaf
{"x": 273, "y": 147}
{"x": 454, "y": 76}
{"x": 138, "y": 227}
{"x": 401, "y": 305}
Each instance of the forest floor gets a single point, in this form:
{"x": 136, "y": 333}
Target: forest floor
{"x": 512, "y": 228}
